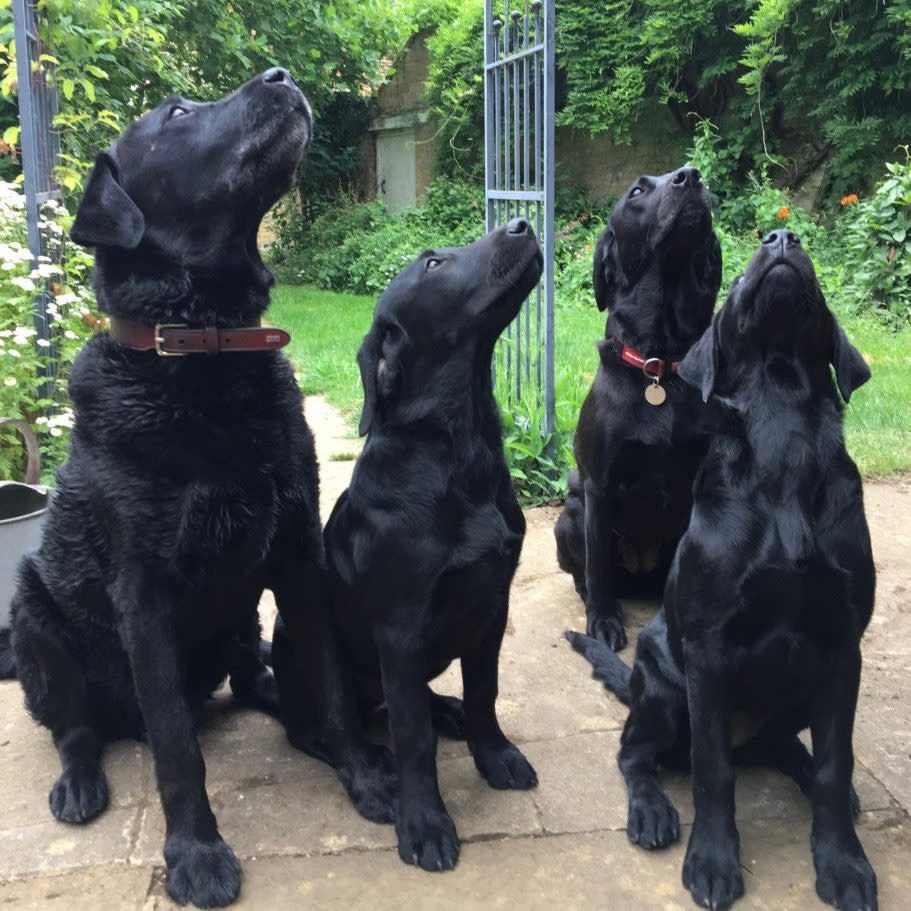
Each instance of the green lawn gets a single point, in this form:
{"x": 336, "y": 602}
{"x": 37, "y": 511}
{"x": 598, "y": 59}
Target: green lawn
{"x": 326, "y": 331}
{"x": 327, "y": 328}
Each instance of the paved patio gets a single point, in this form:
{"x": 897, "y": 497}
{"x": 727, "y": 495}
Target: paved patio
{"x": 562, "y": 845}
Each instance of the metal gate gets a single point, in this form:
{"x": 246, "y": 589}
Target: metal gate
{"x": 39, "y": 141}
{"x": 519, "y": 177}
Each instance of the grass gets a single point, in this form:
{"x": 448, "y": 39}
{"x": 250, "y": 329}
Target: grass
{"x": 327, "y": 328}
{"x": 326, "y": 331}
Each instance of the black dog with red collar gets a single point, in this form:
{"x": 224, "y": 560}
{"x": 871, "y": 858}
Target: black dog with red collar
{"x": 640, "y": 437}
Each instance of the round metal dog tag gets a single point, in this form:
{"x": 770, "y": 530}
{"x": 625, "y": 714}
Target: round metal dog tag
{"x": 655, "y": 394}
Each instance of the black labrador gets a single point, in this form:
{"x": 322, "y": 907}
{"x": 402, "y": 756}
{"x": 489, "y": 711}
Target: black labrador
{"x": 423, "y": 545}
{"x": 771, "y": 589}
{"x": 639, "y": 440}
{"x": 191, "y": 482}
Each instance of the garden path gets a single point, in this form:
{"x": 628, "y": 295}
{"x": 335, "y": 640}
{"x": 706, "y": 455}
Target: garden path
{"x": 562, "y": 845}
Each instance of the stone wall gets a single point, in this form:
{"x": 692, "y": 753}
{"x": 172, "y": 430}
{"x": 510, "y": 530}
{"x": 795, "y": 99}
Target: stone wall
{"x": 603, "y": 167}
{"x": 607, "y": 169}
{"x": 405, "y": 90}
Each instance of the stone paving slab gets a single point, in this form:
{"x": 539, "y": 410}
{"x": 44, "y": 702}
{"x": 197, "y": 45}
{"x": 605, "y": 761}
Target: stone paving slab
{"x": 562, "y": 845}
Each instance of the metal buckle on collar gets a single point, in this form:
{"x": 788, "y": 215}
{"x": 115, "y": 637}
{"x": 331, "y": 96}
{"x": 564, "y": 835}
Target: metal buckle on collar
{"x": 654, "y": 377}
{"x": 159, "y": 340}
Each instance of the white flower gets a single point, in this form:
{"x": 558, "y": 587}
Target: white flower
{"x": 69, "y": 334}
{"x": 64, "y": 419}
{"x": 56, "y": 432}
{"x": 26, "y": 284}
{"x": 41, "y": 420}
{"x": 43, "y": 343}
{"x": 14, "y": 353}
{"x": 9, "y": 381}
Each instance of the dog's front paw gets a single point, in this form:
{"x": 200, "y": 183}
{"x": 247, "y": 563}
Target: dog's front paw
{"x": 206, "y": 874}
{"x": 427, "y": 838}
{"x": 373, "y": 784}
{"x": 79, "y": 794}
{"x": 608, "y": 629}
{"x": 845, "y": 878}
{"x": 653, "y": 821}
{"x": 504, "y": 767}
{"x": 711, "y": 871}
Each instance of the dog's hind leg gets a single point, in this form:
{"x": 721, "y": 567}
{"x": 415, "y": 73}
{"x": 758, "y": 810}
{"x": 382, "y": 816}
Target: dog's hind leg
{"x": 56, "y": 695}
{"x": 569, "y": 532}
{"x": 7, "y": 662}
{"x": 657, "y": 725}
{"x": 252, "y": 683}
{"x": 789, "y": 756}
{"x": 448, "y": 715}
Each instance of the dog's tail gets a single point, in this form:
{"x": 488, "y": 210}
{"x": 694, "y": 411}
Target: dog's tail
{"x": 607, "y": 666}
{"x": 7, "y": 662}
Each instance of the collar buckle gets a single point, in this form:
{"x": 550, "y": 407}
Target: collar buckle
{"x": 158, "y": 339}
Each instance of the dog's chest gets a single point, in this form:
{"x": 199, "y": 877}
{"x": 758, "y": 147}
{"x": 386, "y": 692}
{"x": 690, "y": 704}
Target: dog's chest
{"x": 203, "y": 458}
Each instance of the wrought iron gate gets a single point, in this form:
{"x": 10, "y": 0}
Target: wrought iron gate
{"x": 519, "y": 175}
{"x": 38, "y": 139}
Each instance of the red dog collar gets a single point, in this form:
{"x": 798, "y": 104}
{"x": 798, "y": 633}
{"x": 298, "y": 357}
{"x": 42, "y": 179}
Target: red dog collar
{"x": 652, "y": 366}
{"x": 177, "y": 339}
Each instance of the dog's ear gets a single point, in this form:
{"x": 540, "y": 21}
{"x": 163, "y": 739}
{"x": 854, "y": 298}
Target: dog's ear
{"x": 380, "y": 361}
{"x": 605, "y": 268}
{"x": 851, "y": 370}
{"x": 106, "y": 216}
{"x": 701, "y": 365}
{"x": 708, "y": 271}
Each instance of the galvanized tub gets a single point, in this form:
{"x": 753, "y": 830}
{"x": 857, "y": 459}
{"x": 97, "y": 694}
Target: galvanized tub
{"x": 22, "y": 510}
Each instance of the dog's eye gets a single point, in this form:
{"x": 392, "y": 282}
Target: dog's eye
{"x": 636, "y": 191}
{"x": 432, "y": 263}
{"x": 177, "y": 111}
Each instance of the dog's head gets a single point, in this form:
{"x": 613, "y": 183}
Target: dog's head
{"x": 659, "y": 248}
{"x": 436, "y": 324}
{"x": 775, "y": 311}
{"x": 187, "y": 184}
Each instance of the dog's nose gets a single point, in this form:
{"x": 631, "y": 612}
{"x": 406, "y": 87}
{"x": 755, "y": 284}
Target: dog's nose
{"x": 785, "y": 238}
{"x": 686, "y": 177}
{"x": 517, "y": 226}
{"x": 278, "y": 75}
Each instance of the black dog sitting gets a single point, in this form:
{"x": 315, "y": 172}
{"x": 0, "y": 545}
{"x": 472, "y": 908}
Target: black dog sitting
{"x": 770, "y": 591}
{"x": 191, "y": 482}
{"x": 423, "y": 545}
{"x": 639, "y": 441}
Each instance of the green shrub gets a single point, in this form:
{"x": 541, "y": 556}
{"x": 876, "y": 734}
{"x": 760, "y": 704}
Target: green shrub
{"x": 360, "y": 246}
{"x": 875, "y": 235}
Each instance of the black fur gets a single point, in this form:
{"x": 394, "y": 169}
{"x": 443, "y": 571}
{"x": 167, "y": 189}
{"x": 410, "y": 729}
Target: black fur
{"x": 771, "y": 589}
{"x": 191, "y": 484}
{"x": 423, "y": 545}
{"x": 7, "y": 660}
{"x": 657, "y": 269}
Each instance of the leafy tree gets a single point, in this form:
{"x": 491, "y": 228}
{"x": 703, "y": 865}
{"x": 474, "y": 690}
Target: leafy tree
{"x": 115, "y": 60}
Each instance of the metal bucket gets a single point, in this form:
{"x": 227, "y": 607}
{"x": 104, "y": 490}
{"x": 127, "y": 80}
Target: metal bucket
{"x": 22, "y": 511}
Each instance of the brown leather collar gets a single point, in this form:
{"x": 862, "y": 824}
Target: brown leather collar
{"x": 177, "y": 339}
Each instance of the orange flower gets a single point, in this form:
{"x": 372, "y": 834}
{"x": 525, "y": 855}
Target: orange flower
{"x": 783, "y": 212}
{"x": 849, "y": 200}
